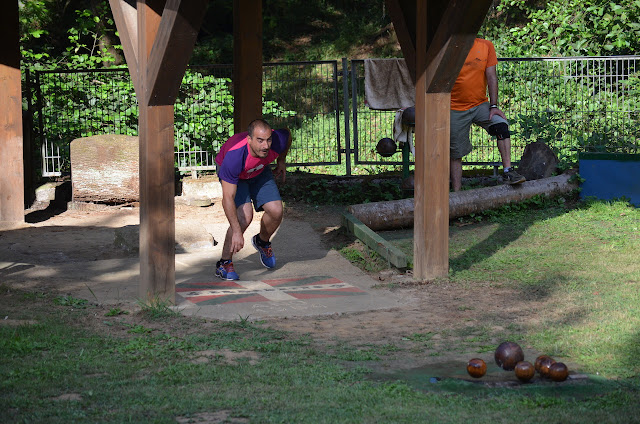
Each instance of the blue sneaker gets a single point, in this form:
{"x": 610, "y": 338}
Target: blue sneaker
{"x": 267, "y": 257}
{"x": 226, "y": 271}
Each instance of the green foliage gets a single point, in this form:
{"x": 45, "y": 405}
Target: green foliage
{"x": 522, "y": 28}
{"x": 69, "y": 35}
{"x": 69, "y": 300}
{"x": 323, "y": 191}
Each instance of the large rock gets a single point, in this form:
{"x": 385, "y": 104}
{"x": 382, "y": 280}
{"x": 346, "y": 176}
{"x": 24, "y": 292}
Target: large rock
{"x": 538, "y": 161}
{"x": 105, "y": 169}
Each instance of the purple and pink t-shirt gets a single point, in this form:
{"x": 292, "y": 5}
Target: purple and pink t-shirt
{"x": 235, "y": 163}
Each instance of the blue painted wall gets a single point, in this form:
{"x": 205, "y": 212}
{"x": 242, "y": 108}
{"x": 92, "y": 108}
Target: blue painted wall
{"x": 610, "y": 175}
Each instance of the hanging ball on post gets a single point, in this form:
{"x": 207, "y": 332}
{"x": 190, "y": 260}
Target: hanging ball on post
{"x": 386, "y": 147}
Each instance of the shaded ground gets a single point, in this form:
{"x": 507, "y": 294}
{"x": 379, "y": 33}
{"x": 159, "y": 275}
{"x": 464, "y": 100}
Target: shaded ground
{"x": 441, "y": 321}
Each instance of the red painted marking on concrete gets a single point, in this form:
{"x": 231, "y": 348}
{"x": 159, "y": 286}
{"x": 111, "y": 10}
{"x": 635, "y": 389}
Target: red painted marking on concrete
{"x": 212, "y": 285}
{"x": 256, "y": 298}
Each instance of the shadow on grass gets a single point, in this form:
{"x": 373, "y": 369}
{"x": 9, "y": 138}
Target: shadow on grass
{"x": 494, "y": 236}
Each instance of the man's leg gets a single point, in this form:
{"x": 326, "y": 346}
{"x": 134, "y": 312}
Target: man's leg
{"x": 271, "y": 219}
{"x": 455, "y": 172}
{"x": 267, "y": 198}
{"x": 245, "y": 215}
{"x": 504, "y": 147}
{"x": 459, "y": 144}
{"x": 224, "y": 267}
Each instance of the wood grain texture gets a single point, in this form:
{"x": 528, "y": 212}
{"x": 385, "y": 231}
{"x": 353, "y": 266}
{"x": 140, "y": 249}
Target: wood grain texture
{"x": 247, "y": 62}
{"x": 11, "y": 158}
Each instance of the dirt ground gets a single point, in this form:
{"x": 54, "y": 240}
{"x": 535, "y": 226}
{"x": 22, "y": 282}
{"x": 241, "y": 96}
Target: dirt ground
{"x": 442, "y": 318}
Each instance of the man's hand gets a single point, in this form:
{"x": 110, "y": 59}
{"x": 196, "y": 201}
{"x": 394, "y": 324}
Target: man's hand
{"x": 496, "y": 111}
{"x": 237, "y": 242}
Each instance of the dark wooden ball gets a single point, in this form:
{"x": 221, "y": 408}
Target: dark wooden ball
{"x": 545, "y": 365}
{"x": 386, "y": 147}
{"x": 508, "y": 354}
{"x": 525, "y": 370}
{"x": 476, "y": 367}
{"x": 558, "y": 371}
{"x": 539, "y": 360}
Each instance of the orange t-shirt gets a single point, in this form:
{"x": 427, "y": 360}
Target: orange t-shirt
{"x": 470, "y": 88}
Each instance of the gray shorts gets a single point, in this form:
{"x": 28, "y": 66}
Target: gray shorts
{"x": 461, "y": 121}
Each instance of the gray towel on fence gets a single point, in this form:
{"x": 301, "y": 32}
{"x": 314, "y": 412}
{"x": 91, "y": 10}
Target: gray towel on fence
{"x": 388, "y": 84}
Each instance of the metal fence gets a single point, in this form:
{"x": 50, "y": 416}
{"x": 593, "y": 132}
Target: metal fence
{"x": 572, "y": 104}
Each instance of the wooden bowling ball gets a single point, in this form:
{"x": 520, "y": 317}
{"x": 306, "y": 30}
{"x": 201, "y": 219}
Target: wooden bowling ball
{"x": 558, "y": 371}
{"x": 508, "y": 354}
{"x": 545, "y": 365}
{"x": 476, "y": 367}
{"x": 525, "y": 370}
{"x": 539, "y": 360}
{"x": 386, "y": 147}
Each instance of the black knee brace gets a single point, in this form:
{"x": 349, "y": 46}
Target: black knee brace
{"x": 500, "y": 131}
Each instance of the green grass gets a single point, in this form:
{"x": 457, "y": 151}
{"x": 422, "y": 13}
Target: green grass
{"x": 72, "y": 361}
{"x": 151, "y": 376}
{"x": 581, "y": 262}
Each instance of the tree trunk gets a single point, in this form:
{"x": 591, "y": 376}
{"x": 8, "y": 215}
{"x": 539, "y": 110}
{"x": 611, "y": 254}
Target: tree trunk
{"x": 399, "y": 213}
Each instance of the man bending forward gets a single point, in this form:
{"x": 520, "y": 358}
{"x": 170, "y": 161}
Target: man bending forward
{"x": 248, "y": 184}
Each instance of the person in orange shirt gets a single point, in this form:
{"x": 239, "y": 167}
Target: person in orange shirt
{"x": 470, "y": 105}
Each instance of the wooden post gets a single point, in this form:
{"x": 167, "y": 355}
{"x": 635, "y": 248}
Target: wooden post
{"x": 11, "y": 159}
{"x": 155, "y": 132}
{"x": 247, "y": 62}
{"x": 157, "y": 47}
{"x": 439, "y": 41}
{"x": 431, "y": 191}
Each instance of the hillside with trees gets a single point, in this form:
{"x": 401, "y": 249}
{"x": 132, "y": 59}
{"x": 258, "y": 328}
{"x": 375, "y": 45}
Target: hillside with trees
{"x": 82, "y": 34}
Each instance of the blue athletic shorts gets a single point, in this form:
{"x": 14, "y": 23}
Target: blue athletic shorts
{"x": 259, "y": 190}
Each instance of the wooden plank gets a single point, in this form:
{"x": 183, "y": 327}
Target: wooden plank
{"x": 378, "y": 244}
{"x": 172, "y": 47}
{"x": 12, "y": 172}
{"x": 247, "y": 62}
{"x": 126, "y": 19}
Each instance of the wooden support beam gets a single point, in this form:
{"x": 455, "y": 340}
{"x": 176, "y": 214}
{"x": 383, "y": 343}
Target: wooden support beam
{"x": 125, "y": 15}
{"x": 157, "y": 47}
{"x": 441, "y": 48}
{"x": 176, "y": 35}
{"x": 247, "y": 62}
{"x": 402, "y": 13}
{"x": 12, "y": 169}
{"x": 157, "y": 204}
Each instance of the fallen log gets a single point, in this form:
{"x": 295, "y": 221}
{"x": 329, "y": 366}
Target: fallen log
{"x": 396, "y": 214}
